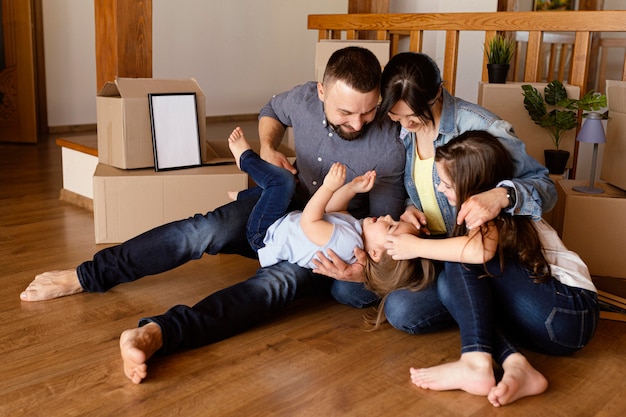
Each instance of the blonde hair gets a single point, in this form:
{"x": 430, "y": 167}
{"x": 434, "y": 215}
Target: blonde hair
{"x": 387, "y": 275}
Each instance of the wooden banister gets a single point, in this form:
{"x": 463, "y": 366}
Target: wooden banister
{"x": 583, "y": 24}
{"x": 536, "y": 23}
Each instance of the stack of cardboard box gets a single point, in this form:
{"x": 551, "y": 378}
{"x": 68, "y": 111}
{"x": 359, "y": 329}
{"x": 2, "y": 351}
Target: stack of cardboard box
{"x": 130, "y": 196}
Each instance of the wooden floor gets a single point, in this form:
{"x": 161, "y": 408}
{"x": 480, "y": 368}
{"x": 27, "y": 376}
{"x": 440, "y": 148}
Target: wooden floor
{"x": 61, "y": 357}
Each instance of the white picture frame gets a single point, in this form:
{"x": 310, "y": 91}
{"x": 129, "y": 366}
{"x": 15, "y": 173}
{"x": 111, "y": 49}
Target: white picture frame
{"x": 175, "y": 131}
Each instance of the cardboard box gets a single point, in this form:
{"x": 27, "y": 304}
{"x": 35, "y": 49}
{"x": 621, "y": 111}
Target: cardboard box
{"x": 218, "y": 151}
{"x": 507, "y": 101}
{"x": 129, "y": 202}
{"x": 123, "y": 119}
{"x": 593, "y": 225}
{"x": 613, "y": 169}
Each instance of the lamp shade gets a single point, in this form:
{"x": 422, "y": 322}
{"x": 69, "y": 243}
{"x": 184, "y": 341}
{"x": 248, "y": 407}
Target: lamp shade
{"x": 592, "y": 130}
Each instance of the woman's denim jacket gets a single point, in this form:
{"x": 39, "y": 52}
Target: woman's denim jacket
{"x": 534, "y": 189}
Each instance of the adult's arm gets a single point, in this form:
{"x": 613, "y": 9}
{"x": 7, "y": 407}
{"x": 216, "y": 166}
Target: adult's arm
{"x": 535, "y": 190}
{"x": 271, "y": 132}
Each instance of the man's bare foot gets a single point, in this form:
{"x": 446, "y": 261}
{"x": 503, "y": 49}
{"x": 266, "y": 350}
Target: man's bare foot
{"x": 520, "y": 380}
{"x": 233, "y": 195}
{"x": 137, "y": 346}
{"x": 472, "y": 373}
{"x": 238, "y": 144}
{"x": 53, "y": 284}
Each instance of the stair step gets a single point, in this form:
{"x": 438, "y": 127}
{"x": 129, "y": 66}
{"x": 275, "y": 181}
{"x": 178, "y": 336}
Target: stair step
{"x": 86, "y": 144}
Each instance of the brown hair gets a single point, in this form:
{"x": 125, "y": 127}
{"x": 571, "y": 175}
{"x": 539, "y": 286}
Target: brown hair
{"x": 357, "y": 67}
{"x": 476, "y": 162}
{"x": 387, "y": 275}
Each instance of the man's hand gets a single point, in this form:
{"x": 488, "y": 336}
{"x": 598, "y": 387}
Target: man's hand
{"x": 416, "y": 218}
{"x": 480, "y": 208}
{"x": 333, "y": 266}
{"x": 277, "y": 158}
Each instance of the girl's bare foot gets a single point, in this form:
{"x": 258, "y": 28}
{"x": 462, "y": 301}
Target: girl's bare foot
{"x": 238, "y": 144}
{"x": 53, "y": 284}
{"x": 472, "y": 373}
{"x": 137, "y": 346}
{"x": 520, "y": 380}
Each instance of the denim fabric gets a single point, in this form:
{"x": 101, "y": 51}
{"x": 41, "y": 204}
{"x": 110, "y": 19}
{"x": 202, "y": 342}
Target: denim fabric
{"x": 496, "y": 313}
{"x": 417, "y": 312}
{"x": 277, "y": 185}
{"x": 353, "y": 294}
{"x": 535, "y": 190}
{"x": 237, "y": 308}
{"x": 169, "y": 246}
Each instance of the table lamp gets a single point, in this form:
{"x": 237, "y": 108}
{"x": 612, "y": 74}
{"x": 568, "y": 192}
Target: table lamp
{"x": 591, "y": 131}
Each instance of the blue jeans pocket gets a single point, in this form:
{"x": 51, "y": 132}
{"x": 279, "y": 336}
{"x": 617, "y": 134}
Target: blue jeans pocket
{"x": 570, "y": 329}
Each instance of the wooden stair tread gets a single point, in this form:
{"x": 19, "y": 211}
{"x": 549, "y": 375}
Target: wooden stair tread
{"x": 87, "y": 144}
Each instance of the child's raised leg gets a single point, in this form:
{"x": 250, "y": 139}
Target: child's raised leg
{"x": 277, "y": 185}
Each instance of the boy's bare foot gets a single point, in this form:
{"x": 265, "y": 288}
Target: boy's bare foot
{"x": 137, "y": 346}
{"x": 472, "y": 373}
{"x": 53, "y": 284}
{"x": 238, "y": 144}
{"x": 520, "y": 380}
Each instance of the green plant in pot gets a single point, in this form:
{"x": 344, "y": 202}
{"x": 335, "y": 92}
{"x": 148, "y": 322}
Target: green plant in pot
{"x": 557, "y": 113}
{"x": 499, "y": 51}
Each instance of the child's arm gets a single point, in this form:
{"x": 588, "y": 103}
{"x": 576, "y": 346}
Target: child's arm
{"x": 341, "y": 198}
{"x": 314, "y": 227}
{"x": 473, "y": 248}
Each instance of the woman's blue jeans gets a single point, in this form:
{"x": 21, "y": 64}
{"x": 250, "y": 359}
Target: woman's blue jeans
{"x": 494, "y": 313}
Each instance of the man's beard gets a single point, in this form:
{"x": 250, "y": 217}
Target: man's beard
{"x": 349, "y": 136}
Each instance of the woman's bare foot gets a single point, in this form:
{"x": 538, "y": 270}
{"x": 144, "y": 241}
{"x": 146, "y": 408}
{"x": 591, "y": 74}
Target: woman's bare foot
{"x": 53, "y": 284}
{"x": 238, "y": 144}
{"x": 137, "y": 346}
{"x": 472, "y": 373}
{"x": 520, "y": 380}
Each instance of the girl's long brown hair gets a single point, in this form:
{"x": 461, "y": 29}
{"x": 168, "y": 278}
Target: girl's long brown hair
{"x": 476, "y": 162}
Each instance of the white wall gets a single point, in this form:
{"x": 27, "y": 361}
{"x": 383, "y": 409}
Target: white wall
{"x": 69, "y": 47}
{"x": 240, "y": 51}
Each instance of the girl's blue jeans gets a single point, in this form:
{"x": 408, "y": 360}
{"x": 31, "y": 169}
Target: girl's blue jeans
{"x": 496, "y": 314}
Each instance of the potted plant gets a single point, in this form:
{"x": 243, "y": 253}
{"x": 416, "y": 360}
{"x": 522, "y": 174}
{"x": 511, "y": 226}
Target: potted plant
{"x": 557, "y": 113}
{"x": 499, "y": 51}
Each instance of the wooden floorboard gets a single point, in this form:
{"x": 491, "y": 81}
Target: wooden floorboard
{"x": 61, "y": 357}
